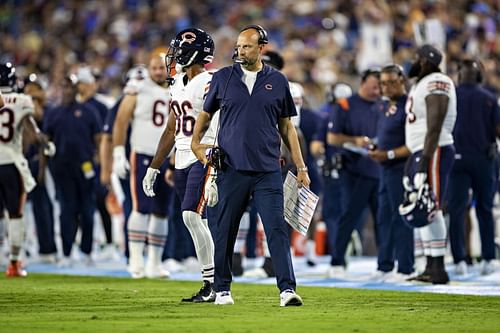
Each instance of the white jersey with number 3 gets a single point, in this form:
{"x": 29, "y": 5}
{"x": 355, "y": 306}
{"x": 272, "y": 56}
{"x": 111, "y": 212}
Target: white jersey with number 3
{"x": 187, "y": 104}
{"x": 416, "y": 110}
{"x": 150, "y": 115}
{"x": 17, "y": 106}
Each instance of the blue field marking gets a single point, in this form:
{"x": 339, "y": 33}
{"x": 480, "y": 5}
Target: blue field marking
{"x": 359, "y": 276}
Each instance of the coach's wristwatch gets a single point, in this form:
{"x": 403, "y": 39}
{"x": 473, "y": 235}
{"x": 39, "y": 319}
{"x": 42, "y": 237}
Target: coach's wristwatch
{"x": 302, "y": 169}
{"x": 391, "y": 154}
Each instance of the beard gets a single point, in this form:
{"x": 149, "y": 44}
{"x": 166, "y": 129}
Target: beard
{"x": 415, "y": 69}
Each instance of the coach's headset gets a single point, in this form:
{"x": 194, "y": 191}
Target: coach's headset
{"x": 263, "y": 39}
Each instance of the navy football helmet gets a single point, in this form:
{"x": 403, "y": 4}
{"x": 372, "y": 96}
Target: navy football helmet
{"x": 419, "y": 205}
{"x": 8, "y": 77}
{"x": 190, "y": 46}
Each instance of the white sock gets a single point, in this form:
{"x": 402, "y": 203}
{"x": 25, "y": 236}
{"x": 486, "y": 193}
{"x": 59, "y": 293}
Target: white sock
{"x": 203, "y": 243}
{"x": 137, "y": 232}
{"x": 241, "y": 237}
{"x": 2, "y": 232}
{"x": 434, "y": 235}
{"x": 419, "y": 246}
{"x": 16, "y": 237}
{"x": 157, "y": 236}
{"x": 311, "y": 250}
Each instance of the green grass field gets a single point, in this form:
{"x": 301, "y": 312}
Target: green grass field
{"x": 56, "y": 303}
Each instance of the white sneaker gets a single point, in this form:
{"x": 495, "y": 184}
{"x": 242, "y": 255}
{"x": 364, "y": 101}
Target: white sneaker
{"x": 290, "y": 298}
{"x": 258, "y": 272}
{"x": 461, "y": 268}
{"x": 399, "y": 277}
{"x": 486, "y": 267}
{"x": 47, "y": 258}
{"x": 191, "y": 265}
{"x": 380, "y": 276}
{"x": 65, "y": 262}
{"x": 172, "y": 265}
{"x": 88, "y": 260}
{"x": 223, "y": 298}
{"x": 136, "y": 274}
{"x": 109, "y": 252}
{"x": 156, "y": 272}
{"x": 336, "y": 272}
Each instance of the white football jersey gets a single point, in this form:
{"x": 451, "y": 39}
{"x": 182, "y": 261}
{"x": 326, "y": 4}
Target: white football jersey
{"x": 17, "y": 106}
{"x": 150, "y": 115}
{"x": 187, "y": 103}
{"x": 416, "y": 110}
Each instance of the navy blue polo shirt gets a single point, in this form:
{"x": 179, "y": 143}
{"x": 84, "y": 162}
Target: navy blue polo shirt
{"x": 248, "y": 130}
{"x": 322, "y": 131}
{"x": 357, "y": 117}
{"x": 477, "y": 116}
{"x": 73, "y": 129}
{"x": 391, "y": 128}
{"x": 100, "y": 108}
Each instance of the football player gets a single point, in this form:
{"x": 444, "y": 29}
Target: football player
{"x": 145, "y": 107}
{"x": 431, "y": 110}
{"x": 15, "y": 177}
{"x": 191, "y": 49}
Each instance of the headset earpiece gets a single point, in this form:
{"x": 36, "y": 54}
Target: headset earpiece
{"x": 235, "y": 53}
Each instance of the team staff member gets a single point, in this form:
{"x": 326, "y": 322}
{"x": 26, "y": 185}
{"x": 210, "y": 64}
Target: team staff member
{"x": 354, "y": 122}
{"x": 475, "y": 132}
{"x": 75, "y": 130}
{"x": 255, "y": 109}
{"x": 395, "y": 236}
{"x": 40, "y": 200}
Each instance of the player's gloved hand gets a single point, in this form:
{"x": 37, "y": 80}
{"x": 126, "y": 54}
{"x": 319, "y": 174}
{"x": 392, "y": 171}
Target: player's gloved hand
{"x": 211, "y": 193}
{"x": 49, "y": 149}
{"x": 420, "y": 178}
{"x": 120, "y": 162}
{"x": 149, "y": 180}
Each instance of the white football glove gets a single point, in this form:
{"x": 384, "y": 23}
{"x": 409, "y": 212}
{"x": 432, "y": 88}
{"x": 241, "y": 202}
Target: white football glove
{"x": 149, "y": 180}
{"x": 49, "y": 149}
{"x": 120, "y": 162}
{"x": 419, "y": 180}
{"x": 211, "y": 194}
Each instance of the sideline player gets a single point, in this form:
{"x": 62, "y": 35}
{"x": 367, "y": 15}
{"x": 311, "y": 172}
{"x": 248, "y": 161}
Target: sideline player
{"x": 431, "y": 111}
{"x": 145, "y": 105}
{"x": 191, "y": 49}
{"x": 15, "y": 177}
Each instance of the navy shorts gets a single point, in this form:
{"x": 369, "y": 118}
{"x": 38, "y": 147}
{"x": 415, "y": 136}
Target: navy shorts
{"x": 439, "y": 170}
{"x": 12, "y": 194}
{"x": 189, "y": 184}
{"x": 157, "y": 205}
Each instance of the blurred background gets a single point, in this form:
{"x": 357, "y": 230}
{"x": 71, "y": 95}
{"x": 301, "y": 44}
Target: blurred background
{"x": 322, "y": 41}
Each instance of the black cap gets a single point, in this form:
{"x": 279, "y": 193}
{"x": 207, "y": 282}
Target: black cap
{"x": 430, "y": 53}
{"x": 274, "y": 59}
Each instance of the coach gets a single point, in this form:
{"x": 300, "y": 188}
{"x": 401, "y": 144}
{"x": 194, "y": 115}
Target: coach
{"x": 255, "y": 109}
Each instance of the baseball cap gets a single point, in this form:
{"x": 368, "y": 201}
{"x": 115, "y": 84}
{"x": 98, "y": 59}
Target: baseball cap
{"x": 429, "y": 52}
{"x": 84, "y": 75}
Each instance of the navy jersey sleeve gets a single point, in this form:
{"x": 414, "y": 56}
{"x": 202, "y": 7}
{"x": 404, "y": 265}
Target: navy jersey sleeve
{"x": 212, "y": 100}
{"x": 288, "y": 109}
{"x": 48, "y": 121}
{"x": 496, "y": 110}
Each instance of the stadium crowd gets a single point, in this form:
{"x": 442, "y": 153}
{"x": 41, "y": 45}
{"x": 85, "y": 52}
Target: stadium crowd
{"x": 74, "y": 53}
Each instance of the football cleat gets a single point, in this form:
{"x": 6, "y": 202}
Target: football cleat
{"x": 15, "y": 269}
{"x": 205, "y": 295}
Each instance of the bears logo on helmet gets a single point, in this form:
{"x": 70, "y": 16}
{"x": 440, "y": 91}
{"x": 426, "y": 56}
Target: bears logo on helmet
{"x": 419, "y": 205}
